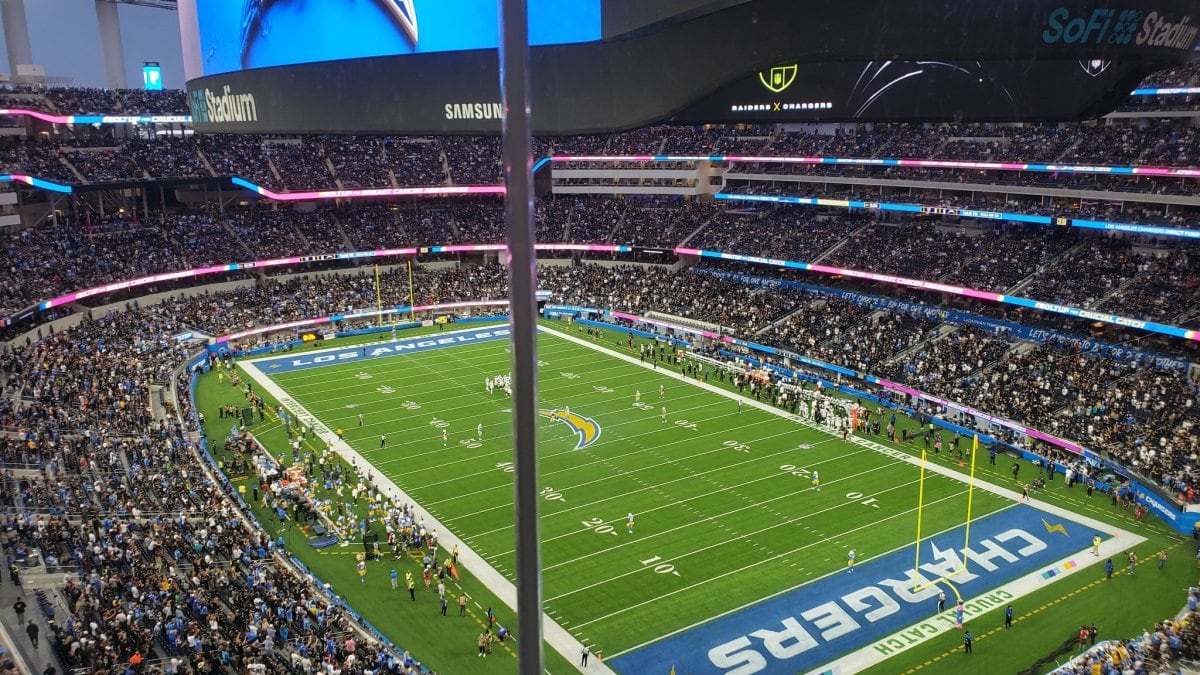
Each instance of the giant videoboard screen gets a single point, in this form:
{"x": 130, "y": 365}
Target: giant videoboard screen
{"x": 431, "y": 66}
{"x": 244, "y": 34}
{"x": 934, "y": 90}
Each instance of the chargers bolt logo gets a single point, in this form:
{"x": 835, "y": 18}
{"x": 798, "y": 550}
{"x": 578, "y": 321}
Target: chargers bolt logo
{"x": 587, "y": 428}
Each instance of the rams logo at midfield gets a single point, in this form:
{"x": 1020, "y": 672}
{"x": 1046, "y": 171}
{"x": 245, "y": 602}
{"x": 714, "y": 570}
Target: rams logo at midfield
{"x": 587, "y": 428}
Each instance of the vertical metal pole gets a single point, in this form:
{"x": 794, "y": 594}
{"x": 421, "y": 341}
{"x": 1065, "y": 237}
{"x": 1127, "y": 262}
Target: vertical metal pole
{"x": 522, "y": 282}
{"x": 16, "y": 34}
{"x": 111, "y": 46}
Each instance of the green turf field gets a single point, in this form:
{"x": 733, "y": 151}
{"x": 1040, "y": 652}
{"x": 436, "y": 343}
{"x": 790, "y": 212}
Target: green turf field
{"x": 725, "y": 510}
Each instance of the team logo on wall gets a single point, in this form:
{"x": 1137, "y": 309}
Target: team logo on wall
{"x": 778, "y": 78}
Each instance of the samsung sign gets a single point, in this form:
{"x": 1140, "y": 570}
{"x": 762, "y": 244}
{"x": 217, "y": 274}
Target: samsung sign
{"x": 1104, "y": 26}
{"x": 473, "y": 111}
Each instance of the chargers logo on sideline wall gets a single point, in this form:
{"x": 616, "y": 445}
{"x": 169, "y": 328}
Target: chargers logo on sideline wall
{"x": 288, "y": 363}
{"x": 587, "y": 428}
{"x": 801, "y": 630}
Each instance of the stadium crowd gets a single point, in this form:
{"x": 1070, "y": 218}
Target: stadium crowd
{"x": 1126, "y": 275}
{"x": 106, "y": 487}
{"x": 1149, "y": 213}
{"x": 1141, "y": 414}
{"x": 158, "y": 564}
{"x": 1164, "y": 649}
{"x": 322, "y": 162}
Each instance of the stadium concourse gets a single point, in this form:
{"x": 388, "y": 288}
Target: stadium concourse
{"x": 142, "y": 552}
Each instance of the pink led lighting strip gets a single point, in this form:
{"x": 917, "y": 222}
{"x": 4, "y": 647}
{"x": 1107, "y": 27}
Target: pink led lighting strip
{"x": 1179, "y": 172}
{"x": 991, "y": 296}
{"x": 423, "y": 191}
{"x": 296, "y": 260}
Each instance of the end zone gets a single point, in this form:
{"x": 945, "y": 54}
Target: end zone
{"x": 873, "y": 612}
{"x": 369, "y": 350}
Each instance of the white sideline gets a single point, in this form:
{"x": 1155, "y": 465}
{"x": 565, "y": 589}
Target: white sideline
{"x": 554, "y": 634}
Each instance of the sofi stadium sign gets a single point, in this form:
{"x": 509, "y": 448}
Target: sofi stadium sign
{"x": 217, "y": 107}
{"x": 1120, "y": 27}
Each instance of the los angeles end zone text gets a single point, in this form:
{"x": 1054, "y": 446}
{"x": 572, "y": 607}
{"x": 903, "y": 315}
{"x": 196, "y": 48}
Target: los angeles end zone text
{"x": 286, "y": 364}
{"x": 770, "y": 635}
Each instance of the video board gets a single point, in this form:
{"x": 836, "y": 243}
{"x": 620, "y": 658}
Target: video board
{"x": 264, "y": 33}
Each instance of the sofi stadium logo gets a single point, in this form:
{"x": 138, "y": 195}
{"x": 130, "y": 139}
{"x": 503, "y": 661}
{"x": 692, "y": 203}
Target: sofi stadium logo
{"x": 1119, "y": 27}
{"x": 222, "y": 107}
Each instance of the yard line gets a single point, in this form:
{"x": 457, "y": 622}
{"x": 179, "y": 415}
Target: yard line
{"x": 552, "y": 455}
{"x": 508, "y": 451}
{"x": 393, "y": 368}
{"x": 329, "y": 403}
{"x": 386, "y": 370}
{"x": 697, "y": 522}
{"x": 471, "y": 393}
{"x": 743, "y": 568}
{"x": 777, "y": 594}
{"x": 400, "y": 382}
{"x": 721, "y": 543}
{"x": 631, "y": 472}
{"x": 508, "y": 484}
{"x": 622, "y": 409}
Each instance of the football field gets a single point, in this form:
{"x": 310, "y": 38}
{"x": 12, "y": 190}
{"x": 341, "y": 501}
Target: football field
{"x": 698, "y": 538}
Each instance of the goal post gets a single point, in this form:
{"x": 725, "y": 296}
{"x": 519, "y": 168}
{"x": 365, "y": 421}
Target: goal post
{"x": 945, "y": 578}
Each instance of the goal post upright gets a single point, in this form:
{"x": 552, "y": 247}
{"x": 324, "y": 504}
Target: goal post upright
{"x": 920, "y": 511}
{"x": 945, "y": 578}
{"x": 970, "y": 503}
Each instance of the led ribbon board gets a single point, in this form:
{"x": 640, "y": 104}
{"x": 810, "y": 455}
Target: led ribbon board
{"x": 991, "y": 296}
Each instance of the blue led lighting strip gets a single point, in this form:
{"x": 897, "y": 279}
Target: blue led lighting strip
{"x": 982, "y": 214}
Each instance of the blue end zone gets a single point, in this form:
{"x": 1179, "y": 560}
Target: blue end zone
{"x": 815, "y": 624}
{"x": 284, "y": 364}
